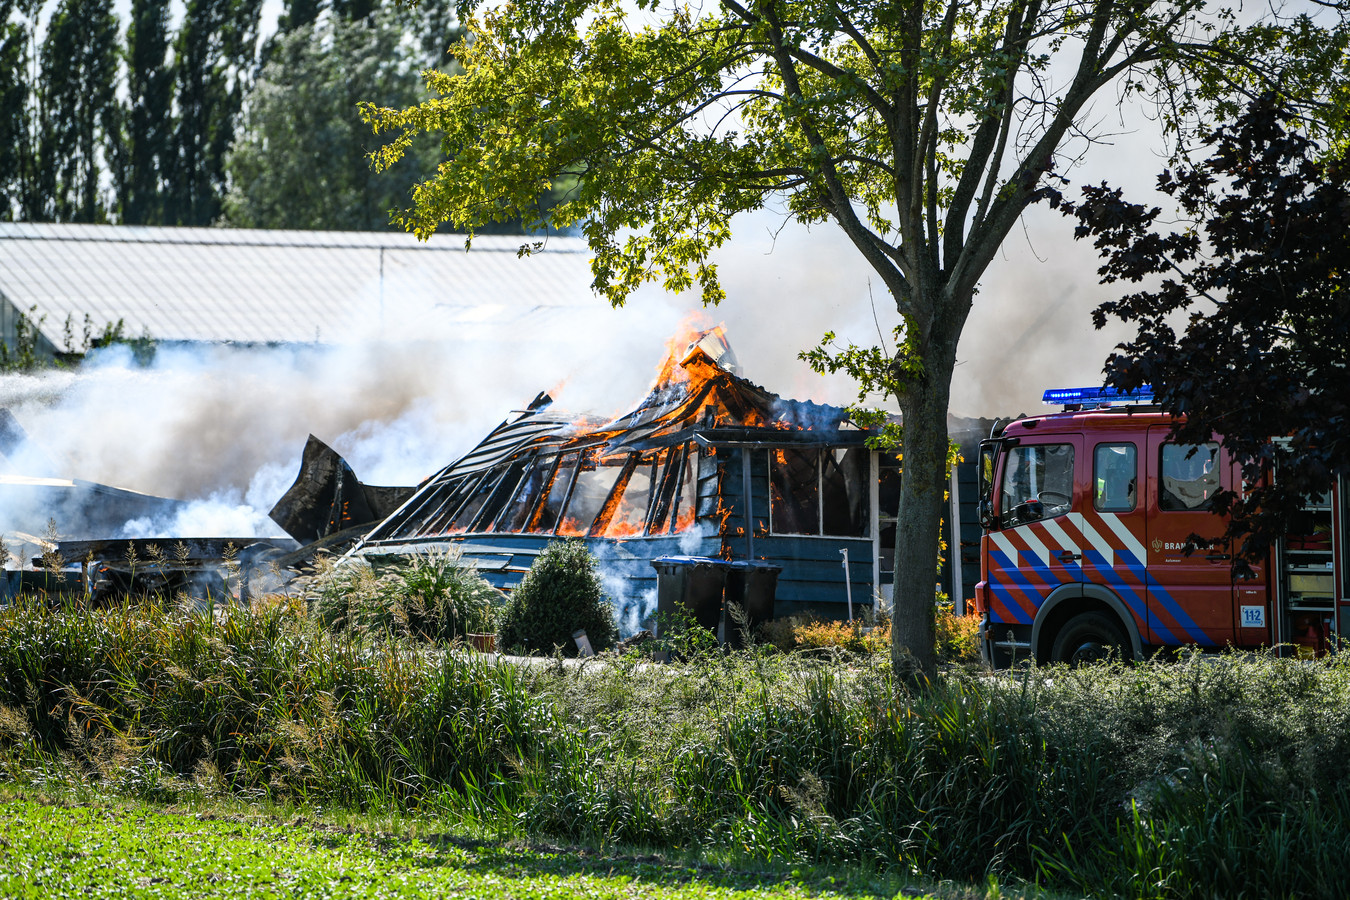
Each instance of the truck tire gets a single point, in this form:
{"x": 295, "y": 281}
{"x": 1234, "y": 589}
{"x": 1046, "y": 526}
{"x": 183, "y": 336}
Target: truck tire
{"x": 1090, "y": 637}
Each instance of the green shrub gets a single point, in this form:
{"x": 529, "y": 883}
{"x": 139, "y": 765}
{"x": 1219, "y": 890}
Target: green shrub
{"x": 559, "y": 595}
{"x": 682, "y": 637}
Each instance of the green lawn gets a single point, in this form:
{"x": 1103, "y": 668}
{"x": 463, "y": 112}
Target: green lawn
{"x": 63, "y": 850}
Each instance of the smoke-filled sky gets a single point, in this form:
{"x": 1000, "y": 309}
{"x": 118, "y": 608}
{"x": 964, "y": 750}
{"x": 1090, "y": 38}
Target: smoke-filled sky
{"x": 226, "y": 426}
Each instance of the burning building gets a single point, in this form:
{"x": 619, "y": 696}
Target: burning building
{"x": 707, "y": 464}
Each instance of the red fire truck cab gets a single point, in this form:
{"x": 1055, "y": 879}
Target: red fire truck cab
{"x": 1086, "y": 516}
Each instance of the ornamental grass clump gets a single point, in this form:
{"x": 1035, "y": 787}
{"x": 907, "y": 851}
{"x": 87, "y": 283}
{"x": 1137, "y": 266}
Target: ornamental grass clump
{"x": 348, "y": 596}
{"x": 561, "y": 594}
{"x": 443, "y": 600}
{"x": 432, "y": 597}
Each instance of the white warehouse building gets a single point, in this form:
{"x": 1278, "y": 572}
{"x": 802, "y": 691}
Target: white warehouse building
{"x": 279, "y": 287}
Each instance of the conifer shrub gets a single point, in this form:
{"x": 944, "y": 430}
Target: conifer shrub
{"x": 559, "y": 595}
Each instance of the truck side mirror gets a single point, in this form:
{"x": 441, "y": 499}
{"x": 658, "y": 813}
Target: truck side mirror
{"x": 986, "y": 513}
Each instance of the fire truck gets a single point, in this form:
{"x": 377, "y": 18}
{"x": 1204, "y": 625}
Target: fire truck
{"x": 1087, "y": 515}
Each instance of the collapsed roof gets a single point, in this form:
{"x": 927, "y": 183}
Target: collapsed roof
{"x": 547, "y": 473}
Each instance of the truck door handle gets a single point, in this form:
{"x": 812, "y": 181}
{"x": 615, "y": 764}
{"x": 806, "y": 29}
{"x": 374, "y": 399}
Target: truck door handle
{"x": 1217, "y": 557}
{"x": 1066, "y": 556}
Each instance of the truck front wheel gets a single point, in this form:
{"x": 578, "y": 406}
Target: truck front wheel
{"x": 1089, "y": 637}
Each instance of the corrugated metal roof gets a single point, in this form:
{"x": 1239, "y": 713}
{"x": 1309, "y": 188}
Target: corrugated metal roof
{"x": 216, "y": 284}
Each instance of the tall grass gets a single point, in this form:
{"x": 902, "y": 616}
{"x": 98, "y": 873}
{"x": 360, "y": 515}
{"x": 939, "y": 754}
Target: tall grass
{"x": 258, "y": 701}
{"x": 430, "y": 596}
{"x": 1197, "y": 778}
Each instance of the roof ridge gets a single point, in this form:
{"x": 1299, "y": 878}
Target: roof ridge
{"x": 273, "y": 237}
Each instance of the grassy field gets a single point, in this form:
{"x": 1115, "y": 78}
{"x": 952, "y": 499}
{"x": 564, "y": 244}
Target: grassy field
{"x": 1197, "y": 778}
{"x": 108, "y": 849}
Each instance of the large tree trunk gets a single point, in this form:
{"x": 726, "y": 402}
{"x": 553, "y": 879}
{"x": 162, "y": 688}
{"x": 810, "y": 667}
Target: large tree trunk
{"x": 919, "y": 520}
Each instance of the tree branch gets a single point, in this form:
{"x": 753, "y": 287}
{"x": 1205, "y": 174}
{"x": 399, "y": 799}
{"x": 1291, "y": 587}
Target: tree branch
{"x": 810, "y": 60}
{"x": 880, "y": 255}
{"x": 927, "y": 144}
{"x": 992, "y": 135}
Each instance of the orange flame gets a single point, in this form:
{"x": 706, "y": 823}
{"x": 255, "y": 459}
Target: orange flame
{"x": 690, "y": 332}
{"x": 695, "y": 386}
{"x": 570, "y": 527}
{"x": 620, "y": 528}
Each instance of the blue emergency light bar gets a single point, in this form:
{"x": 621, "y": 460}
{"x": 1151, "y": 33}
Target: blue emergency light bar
{"x": 1096, "y": 396}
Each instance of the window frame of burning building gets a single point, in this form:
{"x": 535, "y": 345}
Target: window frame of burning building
{"x": 647, "y": 465}
{"x": 536, "y": 494}
{"x": 593, "y": 483}
{"x": 501, "y": 483}
{"x": 829, "y": 485}
{"x": 679, "y": 478}
{"x": 888, "y": 504}
{"x": 551, "y": 503}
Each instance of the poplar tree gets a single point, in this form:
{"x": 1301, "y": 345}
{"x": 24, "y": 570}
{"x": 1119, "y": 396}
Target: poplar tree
{"x": 300, "y": 160}
{"x": 79, "y": 122}
{"x": 435, "y": 25}
{"x": 16, "y": 107}
{"x": 148, "y": 142}
{"x": 214, "y": 55}
{"x": 355, "y": 10}
{"x": 298, "y": 14}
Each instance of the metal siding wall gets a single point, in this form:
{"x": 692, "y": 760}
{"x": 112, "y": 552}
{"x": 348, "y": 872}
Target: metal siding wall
{"x": 813, "y": 571}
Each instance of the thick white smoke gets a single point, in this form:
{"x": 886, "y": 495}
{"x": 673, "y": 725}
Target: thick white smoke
{"x": 223, "y": 426}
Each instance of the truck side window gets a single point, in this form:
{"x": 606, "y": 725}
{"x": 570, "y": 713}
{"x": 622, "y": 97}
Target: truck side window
{"x": 1115, "y": 476}
{"x": 1037, "y": 483}
{"x": 1190, "y": 476}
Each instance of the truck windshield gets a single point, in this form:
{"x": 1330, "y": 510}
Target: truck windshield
{"x": 1037, "y": 483}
